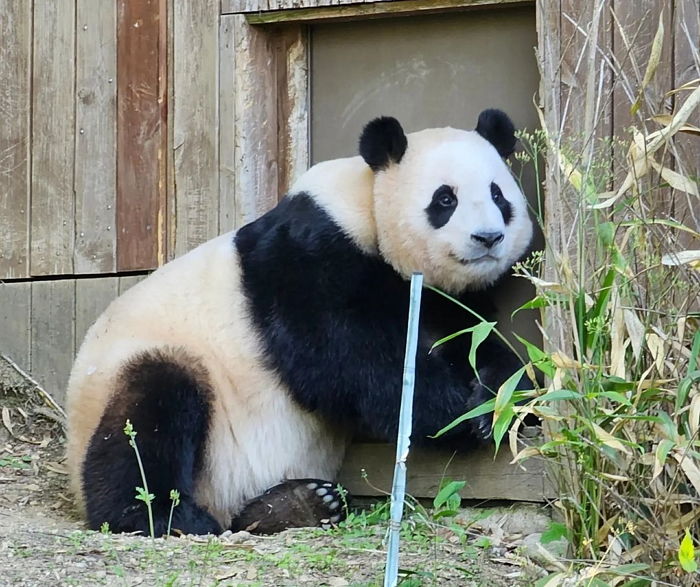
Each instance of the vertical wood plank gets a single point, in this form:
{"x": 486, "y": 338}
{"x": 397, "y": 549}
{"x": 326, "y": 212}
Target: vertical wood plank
{"x": 141, "y": 124}
{"x": 229, "y": 217}
{"x": 256, "y": 154}
{"x": 634, "y": 30}
{"x": 95, "y": 138}
{"x": 92, "y": 296}
{"x": 15, "y": 314}
{"x": 52, "y": 222}
{"x": 196, "y": 72}
{"x": 292, "y": 57}
{"x": 52, "y": 344}
{"x": 15, "y": 104}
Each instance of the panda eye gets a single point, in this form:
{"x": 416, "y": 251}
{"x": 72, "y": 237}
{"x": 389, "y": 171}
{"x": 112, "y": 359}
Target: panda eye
{"x": 496, "y": 193}
{"x": 445, "y": 197}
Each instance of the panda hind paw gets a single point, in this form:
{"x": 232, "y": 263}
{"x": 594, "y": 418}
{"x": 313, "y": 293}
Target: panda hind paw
{"x": 295, "y": 503}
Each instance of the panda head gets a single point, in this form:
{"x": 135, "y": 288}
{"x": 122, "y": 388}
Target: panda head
{"x": 445, "y": 202}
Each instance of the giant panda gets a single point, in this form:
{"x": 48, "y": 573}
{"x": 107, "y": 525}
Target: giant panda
{"x": 248, "y": 364}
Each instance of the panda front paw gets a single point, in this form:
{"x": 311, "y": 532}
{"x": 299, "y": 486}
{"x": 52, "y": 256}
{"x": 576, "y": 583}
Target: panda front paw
{"x": 296, "y": 503}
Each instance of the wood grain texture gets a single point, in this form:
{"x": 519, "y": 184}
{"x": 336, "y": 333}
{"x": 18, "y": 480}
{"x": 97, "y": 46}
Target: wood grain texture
{"x": 634, "y": 29}
{"x": 229, "y": 217}
{"x": 141, "y": 115}
{"x": 486, "y": 477}
{"x": 280, "y": 12}
{"x": 92, "y": 296}
{"x": 255, "y": 154}
{"x": 128, "y": 281}
{"x": 293, "y": 102}
{"x": 15, "y": 316}
{"x": 95, "y": 137}
{"x": 196, "y": 147}
{"x": 52, "y": 334}
{"x": 15, "y": 108}
{"x": 53, "y": 126}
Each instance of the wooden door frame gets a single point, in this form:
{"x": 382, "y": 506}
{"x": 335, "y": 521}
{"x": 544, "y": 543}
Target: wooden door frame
{"x": 267, "y": 135}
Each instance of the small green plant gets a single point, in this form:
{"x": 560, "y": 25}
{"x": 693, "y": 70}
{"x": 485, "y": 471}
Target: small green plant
{"x": 104, "y": 528}
{"x": 447, "y": 501}
{"x": 142, "y": 493}
{"x": 174, "y": 502}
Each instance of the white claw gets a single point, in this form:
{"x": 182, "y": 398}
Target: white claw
{"x": 327, "y": 498}
{"x": 321, "y": 491}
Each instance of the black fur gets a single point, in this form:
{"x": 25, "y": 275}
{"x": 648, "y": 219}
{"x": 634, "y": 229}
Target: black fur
{"x": 382, "y": 142}
{"x": 333, "y": 321}
{"x": 441, "y": 207}
{"x": 498, "y": 129}
{"x": 503, "y": 204}
{"x": 166, "y": 396}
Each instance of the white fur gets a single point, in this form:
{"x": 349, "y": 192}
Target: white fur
{"x": 259, "y": 436}
{"x": 388, "y": 215}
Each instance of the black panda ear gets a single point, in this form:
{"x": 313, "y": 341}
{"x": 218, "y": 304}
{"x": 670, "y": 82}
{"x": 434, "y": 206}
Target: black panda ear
{"x": 382, "y": 142}
{"x": 497, "y": 128}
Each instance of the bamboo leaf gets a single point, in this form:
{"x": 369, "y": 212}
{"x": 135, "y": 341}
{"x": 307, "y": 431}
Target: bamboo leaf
{"x": 449, "y": 337}
{"x": 608, "y": 439}
{"x": 652, "y": 64}
{"x": 480, "y": 333}
{"x": 686, "y": 553}
{"x": 660, "y": 455}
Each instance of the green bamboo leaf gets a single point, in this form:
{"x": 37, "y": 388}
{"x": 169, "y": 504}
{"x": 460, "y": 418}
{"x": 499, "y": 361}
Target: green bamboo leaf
{"x": 505, "y": 392}
{"x": 450, "y": 337}
{"x": 450, "y": 489}
{"x": 559, "y": 394}
{"x": 480, "y": 333}
{"x": 501, "y": 425}
{"x": 686, "y": 553}
{"x": 479, "y": 410}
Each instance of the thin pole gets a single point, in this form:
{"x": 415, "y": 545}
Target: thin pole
{"x": 403, "y": 440}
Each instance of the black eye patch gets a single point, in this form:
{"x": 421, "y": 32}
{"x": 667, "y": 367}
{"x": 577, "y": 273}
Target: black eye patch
{"x": 500, "y": 200}
{"x": 441, "y": 207}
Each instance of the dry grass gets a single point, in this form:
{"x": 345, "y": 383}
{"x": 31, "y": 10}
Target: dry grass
{"x": 621, "y": 286}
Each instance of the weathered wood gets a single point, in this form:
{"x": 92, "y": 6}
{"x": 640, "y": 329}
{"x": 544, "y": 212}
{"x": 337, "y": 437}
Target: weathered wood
{"x": 141, "y": 112}
{"x": 292, "y": 57}
{"x": 323, "y": 11}
{"x": 487, "y": 477}
{"x": 53, "y": 105}
{"x": 228, "y": 209}
{"x": 95, "y": 137}
{"x": 92, "y": 296}
{"x": 15, "y": 108}
{"x": 634, "y": 28}
{"x": 52, "y": 332}
{"x": 129, "y": 281}
{"x": 15, "y": 314}
{"x": 196, "y": 145}
{"x": 255, "y": 155}
{"x": 237, "y": 6}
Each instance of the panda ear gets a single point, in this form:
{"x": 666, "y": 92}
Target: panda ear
{"x": 497, "y": 128}
{"x": 382, "y": 142}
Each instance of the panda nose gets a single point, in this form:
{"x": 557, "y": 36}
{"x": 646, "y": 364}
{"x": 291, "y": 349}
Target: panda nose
{"x": 488, "y": 239}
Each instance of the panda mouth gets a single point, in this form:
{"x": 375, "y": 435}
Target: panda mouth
{"x": 483, "y": 258}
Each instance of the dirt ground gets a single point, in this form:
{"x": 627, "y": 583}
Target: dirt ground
{"x": 43, "y": 541}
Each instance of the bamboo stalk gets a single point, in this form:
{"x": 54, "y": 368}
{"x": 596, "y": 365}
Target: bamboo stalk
{"x": 403, "y": 440}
